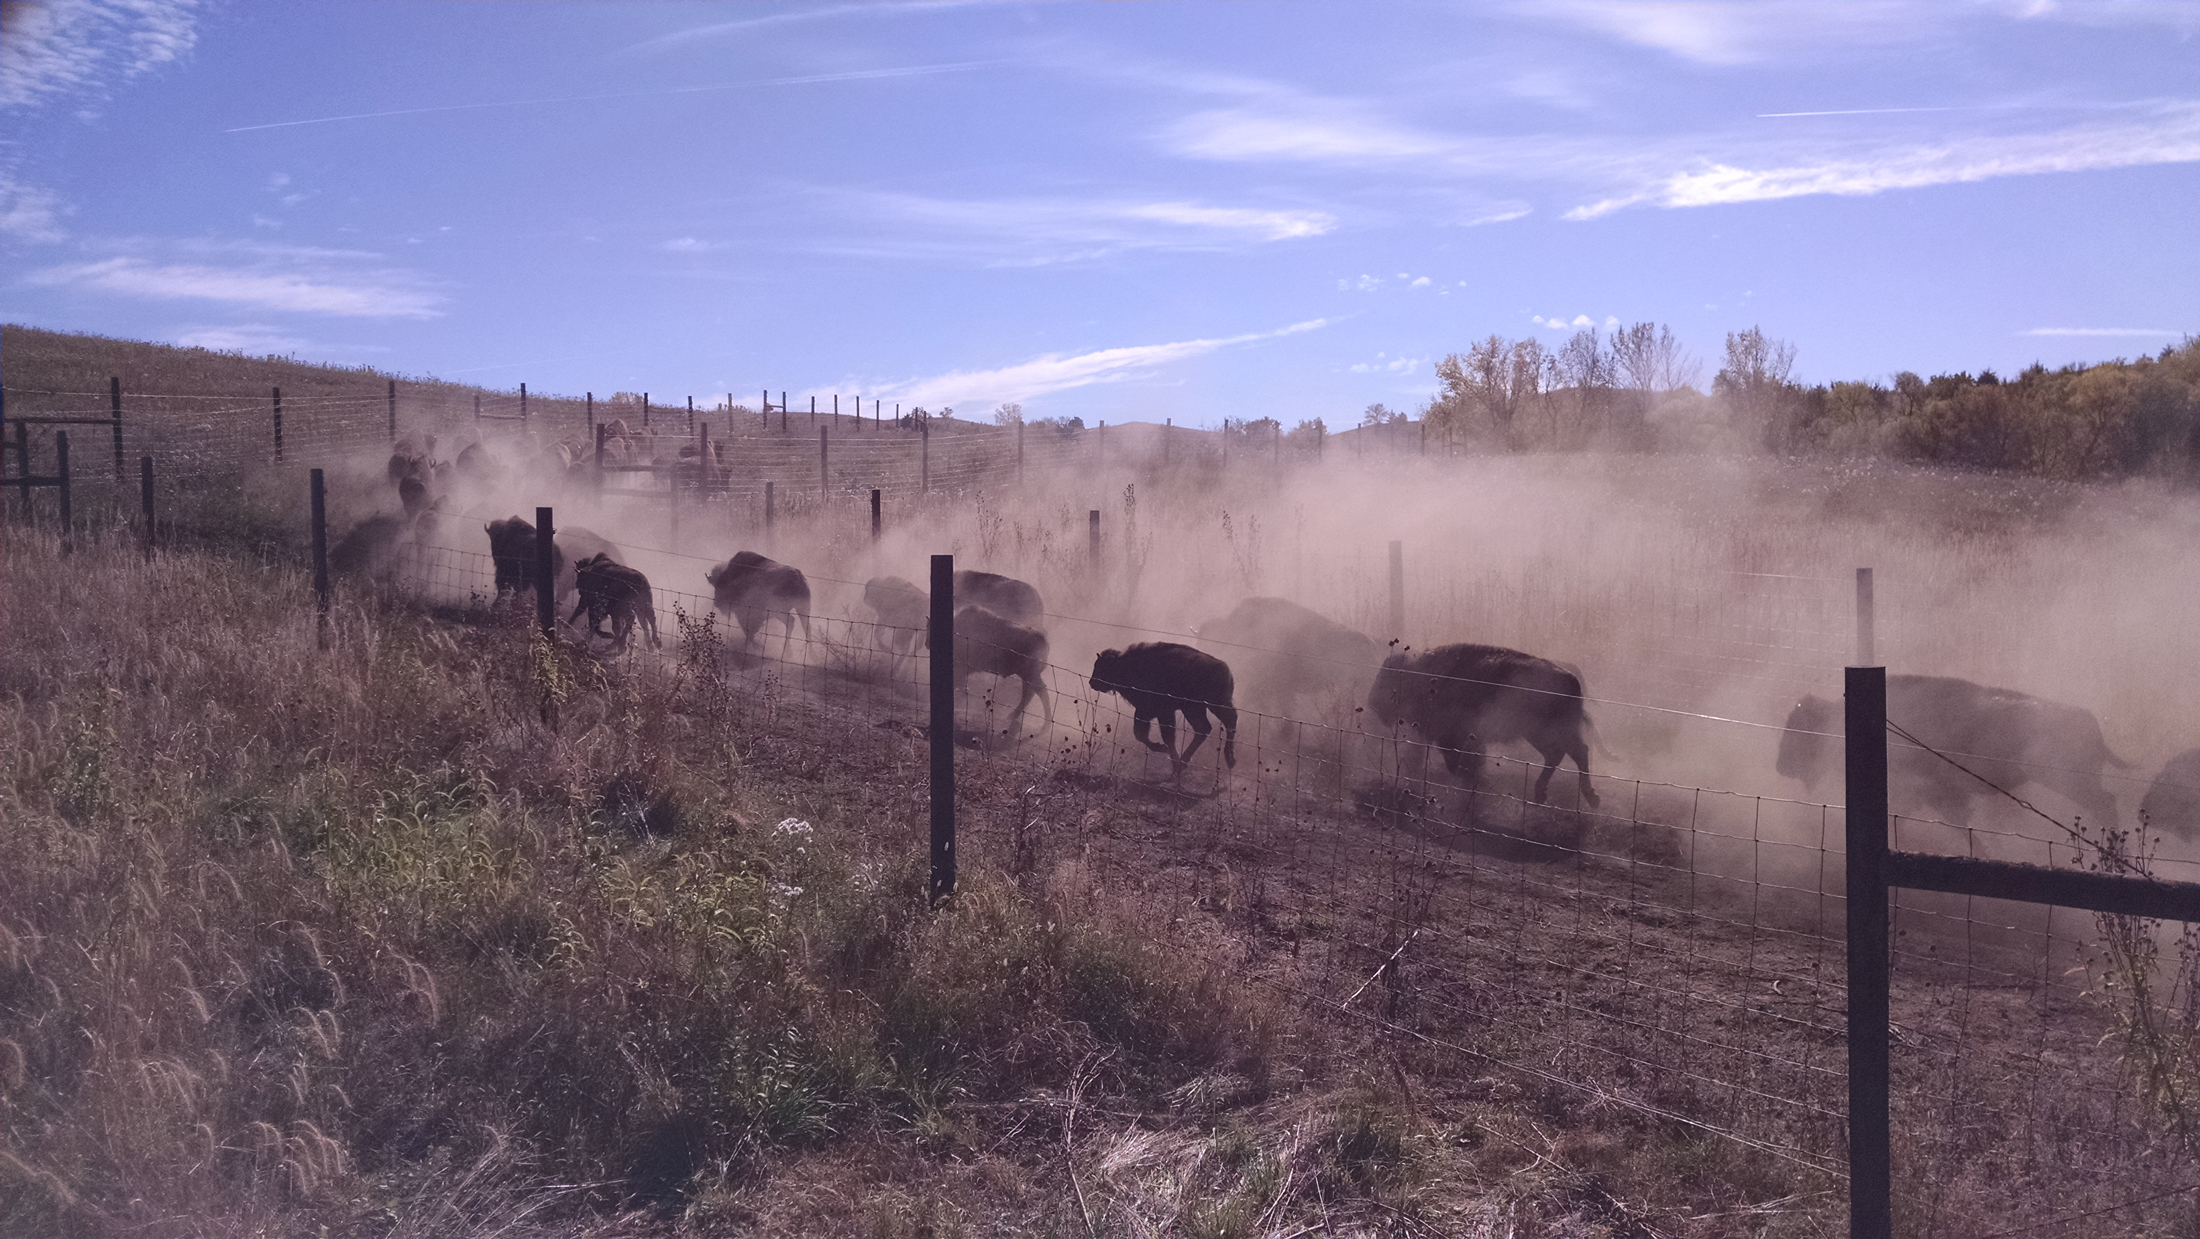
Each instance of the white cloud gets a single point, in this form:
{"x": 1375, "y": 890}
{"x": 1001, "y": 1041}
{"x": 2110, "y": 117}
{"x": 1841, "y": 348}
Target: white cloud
{"x": 1055, "y": 372}
{"x": 285, "y": 278}
{"x": 2103, "y": 331}
{"x": 1385, "y": 364}
{"x": 81, "y": 48}
{"x": 28, "y": 212}
{"x": 2171, "y": 136}
{"x": 1559, "y": 322}
{"x": 1422, "y": 282}
{"x": 1726, "y": 34}
{"x": 690, "y": 245}
{"x": 259, "y": 340}
{"x": 1509, "y": 212}
{"x": 1053, "y": 230}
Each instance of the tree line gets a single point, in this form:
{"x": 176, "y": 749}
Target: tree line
{"x": 1636, "y": 388}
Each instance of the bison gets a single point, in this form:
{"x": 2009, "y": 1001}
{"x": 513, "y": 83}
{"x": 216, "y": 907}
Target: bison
{"x": 1284, "y": 653}
{"x": 1005, "y": 596}
{"x": 2006, "y": 737}
{"x": 985, "y": 642}
{"x": 477, "y": 462}
{"x": 1161, "y": 679}
{"x": 1464, "y": 698}
{"x": 608, "y": 587}
{"x": 368, "y": 547}
{"x": 2173, "y": 802}
{"x": 755, "y": 590}
{"x": 901, "y": 608}
{"x": 512, "y": 552}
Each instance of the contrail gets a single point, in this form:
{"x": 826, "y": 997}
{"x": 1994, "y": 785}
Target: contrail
{"x": 852, "y": 76}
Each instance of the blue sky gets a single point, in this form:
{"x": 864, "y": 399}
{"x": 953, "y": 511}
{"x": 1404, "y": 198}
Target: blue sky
{"x": 1116, "y": 211}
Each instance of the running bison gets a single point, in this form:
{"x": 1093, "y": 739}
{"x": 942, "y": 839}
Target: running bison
{"x": 986, "y": 643}
{"x": 1005, "y": 596}
{"x": 2008, "y": 738}
{"x": 902, "y": 610}
{"x": 512, "y": 551}
{"x": 1161, "y": 679}
{"x": 1464, "y": 698}
{"x": 755, "y": 590}
{"x": 608, "y": 587}
{"x": 2173, "y": 803}
{"x": 368, "y": 548}
{"x": 1284, "y": 654}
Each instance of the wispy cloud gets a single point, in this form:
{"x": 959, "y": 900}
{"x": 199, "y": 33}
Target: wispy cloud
{"x": 2103, "y": 331}
{"x": 293, "y": 279}
{"x": 1058, "y": 372}
{"x": 80, "y": 49}
{"x": 1032, "y": 231}
{"x": 2171, "y": 136}
{"x": 789, "y": 16}
{"x": 29, "y": 213}
{"x": 692, "y": 245}
{"x": 852, "y": 75}
{"x": 1721, "y": 34}
{"x": 1386, "y": 364}
{"x": 259, "y": 339}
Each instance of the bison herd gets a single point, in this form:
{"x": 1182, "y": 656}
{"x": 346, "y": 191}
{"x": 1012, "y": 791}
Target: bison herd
{"x": 1971, "y": 741}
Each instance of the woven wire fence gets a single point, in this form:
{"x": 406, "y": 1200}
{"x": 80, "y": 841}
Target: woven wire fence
{"x": 1666, "y": 961}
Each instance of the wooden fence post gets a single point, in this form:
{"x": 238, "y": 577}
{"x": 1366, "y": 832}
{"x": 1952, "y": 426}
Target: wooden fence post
{"x": 691, "y": 415}
{"x": 782, "y": 412}
{"x": 1398, "y": 594}
{"x": 114, "y": 393}
{"x": 61, "y": 463}
{"x": 836, "y": 408}
{"x": 1871, "y": 1213}
{"x": 546, "y": 577}
{"x": 592, "y": 415}
{"x": 320, "y": 559}
{"x": 145, "y": 500}
{"x": 278, "y": 424}
{"x": 1865, "y": 655}
{"x": 942, "y": 642}
{"x": 874, "y": 514}
{"x": 523, "y": 406}
{"x": 813, "y": 410}
{"x": 645, "y": 410}
{"x": 393, "y": 410}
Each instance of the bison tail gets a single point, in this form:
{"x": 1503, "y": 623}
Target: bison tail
{"x": 1596, "y": 738}
{"x": 1228, "y": 715}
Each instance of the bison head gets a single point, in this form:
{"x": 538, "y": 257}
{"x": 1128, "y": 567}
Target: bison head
{"x": 1103, "y": 671}
{"x": 1390, "y": 699}
{"x": 1807, "y": 747}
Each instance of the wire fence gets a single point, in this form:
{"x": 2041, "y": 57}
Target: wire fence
{"x": 1668, "y": 959}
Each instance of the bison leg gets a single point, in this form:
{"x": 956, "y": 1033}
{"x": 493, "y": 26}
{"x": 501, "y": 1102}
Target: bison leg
{"x": 1196, "y": 717}
{"x": 1142, "y": 728}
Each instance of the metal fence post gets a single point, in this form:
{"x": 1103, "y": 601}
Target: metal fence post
{"x": 61, "y": 462}
{"x": 1865, "y": 654}
{"x": 591, "y": 415}
{"x": 278, "y": 424}
{"x": 393, "y": 410}
{"x": 114, "y": 393}
{"x": 546, "y": 579}
{"x": 1871, "y": 1210}
{"x": 782, "y": 412}
{"x": 874, "y": 514}
{"x": 145, "y": 499}
{"x": 1398, "y": 593}
{"x": 691, "y": 415}
{"x": 320, "y": 559}
{"x": 645, "y": 410}
{"x": 942, "y": 640}
{"x": 523, "y": 406}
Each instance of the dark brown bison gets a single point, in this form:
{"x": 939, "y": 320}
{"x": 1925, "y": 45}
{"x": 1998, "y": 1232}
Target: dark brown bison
{"x": 1464, "y": 698}
{"x": 2172, "y": 804}
{"x": 412, "y": 460}
{"x": 986, "y": 643}
{"x": 512, "y": 552}
{"x": 476, "y": 462}
{"x": 1004, "y": 596}
{"x": 1284, "y": 654}
{"x": 367, "y": 547}
{"x": 608, "y": 587}
{"x": 413, "y": 493}
{"x": 2006, "y": 737}
{"x": 903, "y": 611}
{"x": 1161, "y": 679}
{"x": 755, "y": 590}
